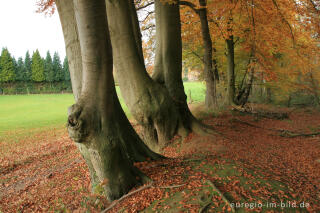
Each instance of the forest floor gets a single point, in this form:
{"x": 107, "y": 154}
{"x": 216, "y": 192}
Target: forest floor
{"x": 251, "y": 164}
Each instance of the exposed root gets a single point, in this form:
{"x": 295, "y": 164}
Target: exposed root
{"x": 138, "y": 190}
{"x": 221, "y": 195}
{"x": 203, "y": 129}
{"x": 125, "y": 196}
{"x": 289, "y": 134}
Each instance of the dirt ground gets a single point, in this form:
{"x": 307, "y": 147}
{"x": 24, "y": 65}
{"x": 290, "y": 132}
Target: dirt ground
{"x": 251, "y": 163}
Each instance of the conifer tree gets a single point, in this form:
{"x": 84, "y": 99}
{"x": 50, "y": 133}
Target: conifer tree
{"x": 66, "y": 69}
{"x": 7, "y": 72}
{"x": 48, "y": 68}
{"x": 27, "y": 65}
{"x": 58, "y": 72}
{"x": 37, "y": 67}
{"x": 21, "y": 71}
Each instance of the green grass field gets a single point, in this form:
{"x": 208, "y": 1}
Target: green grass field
{"x": 21, "y": 113}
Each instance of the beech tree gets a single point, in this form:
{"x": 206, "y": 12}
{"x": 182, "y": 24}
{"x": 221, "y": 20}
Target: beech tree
{"x": 211, "y": 74}
{"x": 158, "y": 104}
{"x": 97, "y": 122}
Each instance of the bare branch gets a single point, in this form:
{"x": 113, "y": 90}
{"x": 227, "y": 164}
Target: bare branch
{"x": 148, "y": 27}
{"x": 190, "y": 5}
{"x": 145, "y": 18}
{"x": 144, "y": 6}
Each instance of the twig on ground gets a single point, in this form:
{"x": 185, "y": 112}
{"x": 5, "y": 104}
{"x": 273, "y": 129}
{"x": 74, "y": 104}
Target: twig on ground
{"x": 138, "y": 190}
{"x": 170, "y": 187}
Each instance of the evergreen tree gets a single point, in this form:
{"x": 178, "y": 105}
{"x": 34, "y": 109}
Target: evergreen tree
{"x": 27, "y": 65}
{"x": 15, "y": 67}
{"x": 7, "y": 73}
{"x": 66, "y": 69}
{"x": 48, "y": 68}
{"x": 57, "y": 67}
{"x": 21, "y": 71}
{"x": 37, "y": 67}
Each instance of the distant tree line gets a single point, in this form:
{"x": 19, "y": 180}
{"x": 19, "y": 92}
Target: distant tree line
{"x": 33, "y": 74}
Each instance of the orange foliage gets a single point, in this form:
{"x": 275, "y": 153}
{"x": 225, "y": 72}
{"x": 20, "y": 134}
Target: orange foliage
{"x": 46, "y": 6}
{"x": 282, "y": 29}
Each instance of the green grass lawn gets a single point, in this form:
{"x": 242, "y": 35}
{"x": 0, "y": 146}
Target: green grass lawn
{"x": 21, "y": 113}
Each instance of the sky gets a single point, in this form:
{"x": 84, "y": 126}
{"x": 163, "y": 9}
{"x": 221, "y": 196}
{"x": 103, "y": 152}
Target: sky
{"x": 22, "y": 29}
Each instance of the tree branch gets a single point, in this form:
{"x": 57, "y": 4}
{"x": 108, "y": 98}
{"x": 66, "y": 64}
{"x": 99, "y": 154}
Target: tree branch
{"x": 144, "y": 6}
{"x": 190, "y": 5}
{"x": 284, "y": 20}
{"x": 125, "y": 196}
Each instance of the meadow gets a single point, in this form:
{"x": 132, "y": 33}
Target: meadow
{"x": 20, "y": 114}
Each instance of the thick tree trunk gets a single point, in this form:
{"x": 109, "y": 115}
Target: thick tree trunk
{"x": 231, "y": 66}
{"x": 215, "y": 65}
{"x": 149, "y": 102}
{"x": 168, "y": 59}
{"x": 314, "y": 89}
{"x": 71, "y": 39}
{"x": 244, "y": 92}
{"x": 269, "y": 95}
{"x": 246, "y": 84}
{"x": 96, "y": 121}
{"x": 210, "y": 99}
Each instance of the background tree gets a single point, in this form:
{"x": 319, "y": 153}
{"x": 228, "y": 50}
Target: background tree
{"x": 21, "y": 71}
{"x": 7, "y": 72}
{"x": 37, "y": 67}
{"x": 65, "y": 68}
{"x": 57, "y": 68}
{"x": 48, "y": 68}
{"x": 27, "y": 65}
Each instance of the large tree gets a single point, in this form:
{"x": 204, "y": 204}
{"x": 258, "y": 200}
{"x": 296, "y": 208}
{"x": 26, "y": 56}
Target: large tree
{"x": 97, "y": 122}
{"x": 211, "y": 75}
{"x": 158, "y": 105}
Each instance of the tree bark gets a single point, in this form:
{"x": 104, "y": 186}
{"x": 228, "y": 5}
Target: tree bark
{"x": 314, "y": 89}
{"x": 210, "y": 99}
{"x": 168, "y": 59}
{"x": 246, "y": 84}
{"x": 210, "y": 64}
{"x": 244, "y": 92}
{"x": 97, "y": 121}
{"x": 231, "y": 66}
{"x": 71, "y": 39}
